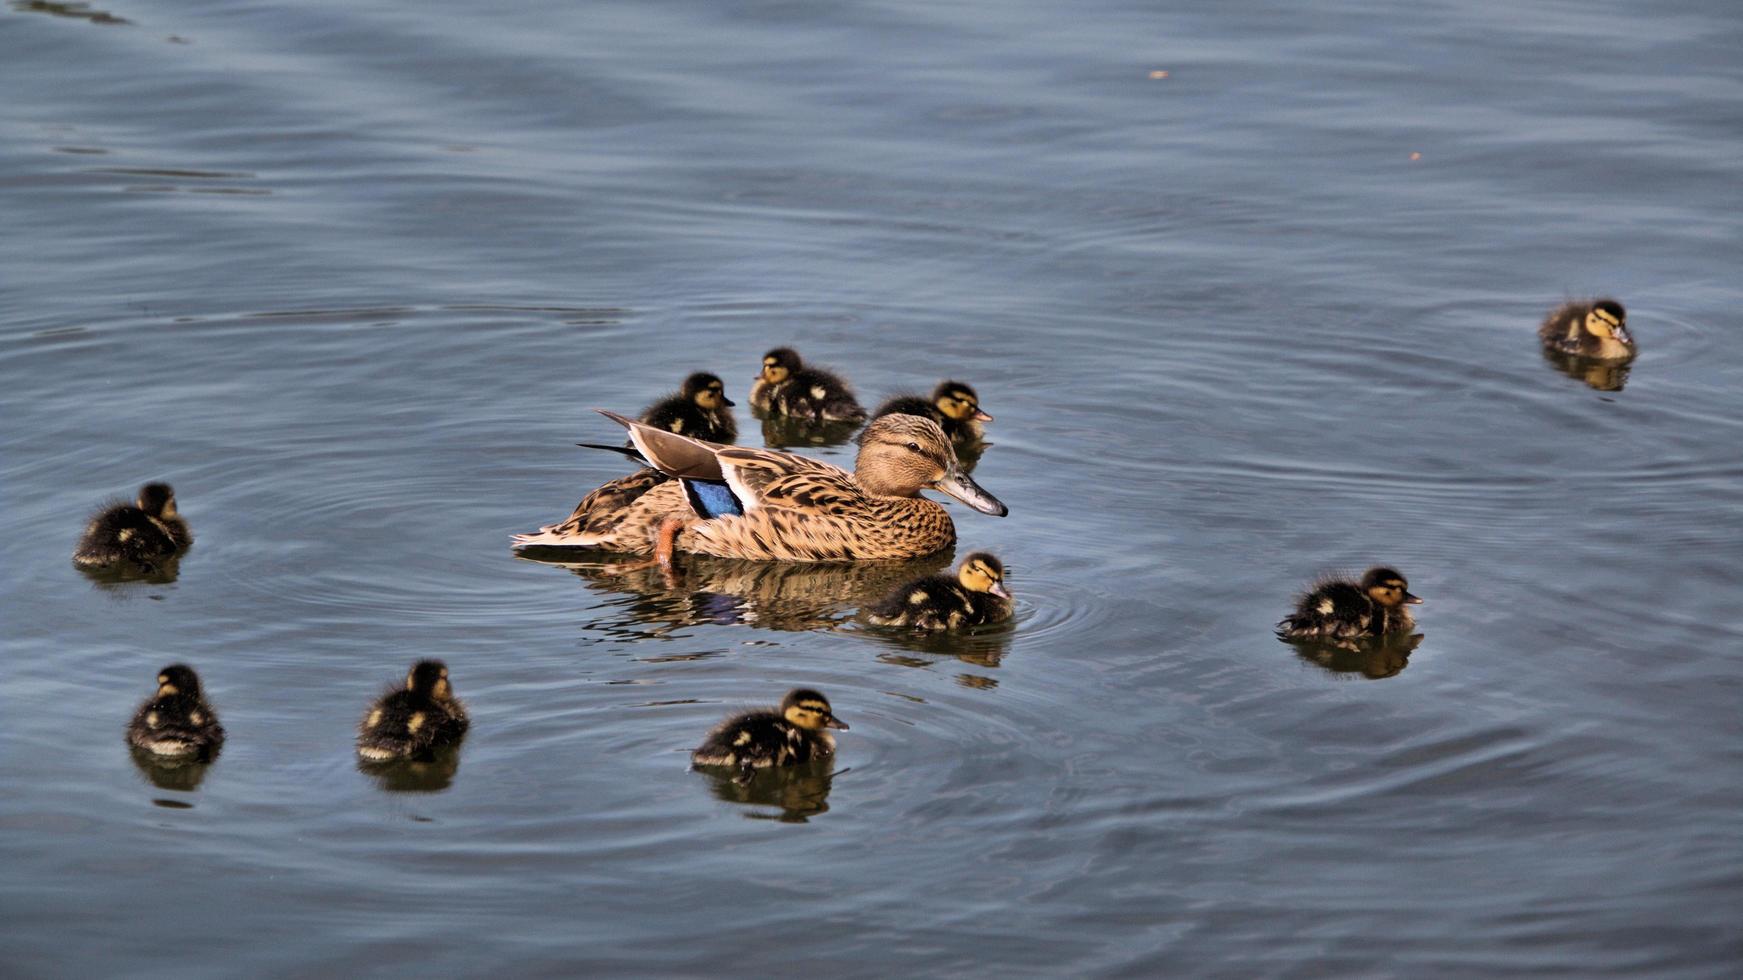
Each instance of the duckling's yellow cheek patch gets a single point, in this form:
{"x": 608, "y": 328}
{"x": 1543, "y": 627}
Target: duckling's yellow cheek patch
{"x": 374, "y": 719}
{"x": 416, "y": 722}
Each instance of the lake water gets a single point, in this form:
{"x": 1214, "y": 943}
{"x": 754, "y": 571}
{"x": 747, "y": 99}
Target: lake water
{"x": 353, "y": 275}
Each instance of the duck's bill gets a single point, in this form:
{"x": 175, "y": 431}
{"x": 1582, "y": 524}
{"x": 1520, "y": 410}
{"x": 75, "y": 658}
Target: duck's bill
{"x": 960, "y": 486}
{"x": 980, "y": 415}
{"x": 999, "y": 590}
{"x": 835, "y": 722}
{"x": 1622, "y": 334}
{"x": 1412, "y": 600}
{"x": 727, "y": 401}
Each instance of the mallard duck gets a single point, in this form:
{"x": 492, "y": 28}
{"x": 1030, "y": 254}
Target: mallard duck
{"x": 975, "y": 597}
{"x": 1596, "y": 329}
{"x": 787, "y": 387}
{"x": 752, "y": 740}
{"x": 761, "y": 504}
{"x": 1340, "y": 609}
{"x": 699, "y": 409}
{"x": 410, "y": 722}
{"x": 144, "y": 533}
{"x": 176, "y": 721}
{"x": 954, "y": 406}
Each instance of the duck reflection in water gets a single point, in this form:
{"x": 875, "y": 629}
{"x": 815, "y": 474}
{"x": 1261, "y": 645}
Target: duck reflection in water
{"x": 1374, "y": 658}
{"x": 726, "y": 592}
{"x": 797, "y": 793}
{"x": 1600, "y": 375}
{"x": 786, "y": 431}
{"x": 181, "y": 773}
{"x": 431, "y": 772}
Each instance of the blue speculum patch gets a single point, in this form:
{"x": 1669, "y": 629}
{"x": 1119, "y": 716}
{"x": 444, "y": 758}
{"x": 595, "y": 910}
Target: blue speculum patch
{"x": 712, "y": 498}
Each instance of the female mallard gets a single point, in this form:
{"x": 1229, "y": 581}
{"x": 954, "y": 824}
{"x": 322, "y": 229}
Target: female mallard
{"x": 411, "y": 722}
{"x": 1597, "y": 329}
{"x": 700, "y": 409}
{"x": 176, "y": 721}
{"x": 975, "y": 597}
{"x": 759, "y": 739}
{"x": 787, "y": 387}
{"x": 738, "y": 502}
{"x": 142, "y": 533}
{"x": 1339, "y": 609}
{"x": 954, "y": 406}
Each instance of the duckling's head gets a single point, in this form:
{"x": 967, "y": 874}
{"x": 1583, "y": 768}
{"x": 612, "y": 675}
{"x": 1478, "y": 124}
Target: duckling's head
{"x": 779, "y": 365}
{"x": 706, "y": 391}
{"x": 1608, "y": 320}
{"x": 981, "y": 572}
{"x": 178, "y": 679}
{"x": 958, "y": 401}
{"x": 809, "y": 709}
{"x": 900, "y": 455}
{"x": 157, "y": 499}
{"x": 429, "y": 678}
{"x": 1388, "y": 588}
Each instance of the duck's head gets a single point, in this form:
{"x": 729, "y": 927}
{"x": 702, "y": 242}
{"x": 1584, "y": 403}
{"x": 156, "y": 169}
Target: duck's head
{"x": 900, "y": 455}
{"x": 1608, "y": 320}
{"x": 1388, "y": 588}
{"x": 809, "y": 709}
{"x": 157, "y": 499}
{"x": 178, "y": 679}
{"x": 779, "y": 365}
{"x": 706, "y": 391}
{"x": 429, "y": 678}
{"x": 958, "y": 401}
{"x": 981, "y": 572}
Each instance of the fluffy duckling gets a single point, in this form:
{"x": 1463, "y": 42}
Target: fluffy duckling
{"x": 410, "y": 722}
{"x": 1339, "y": 609}
{"x": 144, "y": 533}
{"x": 1597, "y": 329}
{"x": 787, "y": 387}
{"x": 762, "y": 738}
{"x": 176, "y": 721}
{"x": 975, "y": 597}
{"x": 954, "y": 406}
{"x": 700, "y": 409}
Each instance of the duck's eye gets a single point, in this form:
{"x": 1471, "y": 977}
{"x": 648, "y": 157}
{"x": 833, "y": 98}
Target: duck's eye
{"x": 913, "y": 447}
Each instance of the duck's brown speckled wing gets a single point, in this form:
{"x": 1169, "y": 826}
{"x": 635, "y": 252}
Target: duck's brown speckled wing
{"x": 772, "y": 479}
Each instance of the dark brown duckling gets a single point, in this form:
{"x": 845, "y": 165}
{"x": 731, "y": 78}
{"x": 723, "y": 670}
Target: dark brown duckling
{"x": 176, "y": 722}
{"x": 1595, "y": 329}
{"x": 787, "y": 387}
{"x": 975, "y": 597}
{"x": 411, "y": 722}
{"x": 145, "y": 533}
{"x": 954, "y": 406}
{"x": 700, "y": 409}
{"x": 1340, "y": 609}
{"x": 762, "y": 738}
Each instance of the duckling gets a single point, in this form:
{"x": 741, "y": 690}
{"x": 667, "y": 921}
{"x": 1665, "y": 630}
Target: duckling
{"x": 976, "y": 596}
{"x": 1340, "y": 609}
{"x": 176, "y": 721}
{"x": 1597, "y": 329}
{"x": 787, "y": 387}
{"x": 410, "y": 723}
{"x": 954, "y": 406}
{"x": 762, "y": 738}
{"x": 700, "y": 410}
{"x": 144, "y": 533}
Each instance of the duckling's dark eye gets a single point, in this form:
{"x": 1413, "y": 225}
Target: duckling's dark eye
{"x": 913, "y": 447}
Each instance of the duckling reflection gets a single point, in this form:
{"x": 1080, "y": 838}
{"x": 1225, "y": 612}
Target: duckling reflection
{"x": 797, "y": 792}
{"x": 1599, "y": 375}
{"x": 1374, "y": 658}
{"x": 725, "y": 591}
{"x": 431, "y": 772}
{"x": 181, "y": 773}
{"x": 786, "y": 431}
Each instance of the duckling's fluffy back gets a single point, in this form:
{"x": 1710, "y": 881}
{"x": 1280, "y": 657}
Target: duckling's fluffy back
{"x": 122, "y": 532}
{"x": 759, "y": 739}
{"x": 404, "y": 724}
